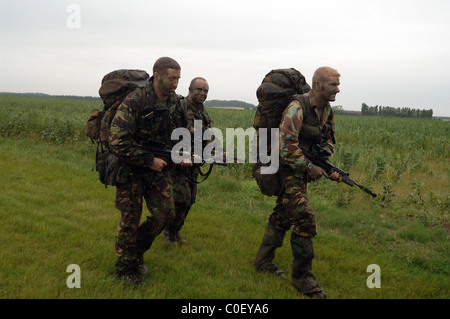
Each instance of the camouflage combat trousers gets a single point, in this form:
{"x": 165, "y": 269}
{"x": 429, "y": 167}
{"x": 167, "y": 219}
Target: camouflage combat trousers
{"x": 132, "y": 239}
{"x": 184, "y": 193}
{"x": 293, "y": 209}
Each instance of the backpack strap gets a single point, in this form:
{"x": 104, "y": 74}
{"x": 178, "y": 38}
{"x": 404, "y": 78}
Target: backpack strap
{"x": 143, "y": 100}
{"x": 304, "y": 102}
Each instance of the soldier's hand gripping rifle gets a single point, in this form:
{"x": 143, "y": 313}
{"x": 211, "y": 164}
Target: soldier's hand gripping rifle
{"x": 158, "y": 149}
{"x": 319, "y": 156}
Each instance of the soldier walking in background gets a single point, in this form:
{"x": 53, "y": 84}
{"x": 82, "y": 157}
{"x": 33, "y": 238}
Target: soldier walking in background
{"x": 185, "y": 187}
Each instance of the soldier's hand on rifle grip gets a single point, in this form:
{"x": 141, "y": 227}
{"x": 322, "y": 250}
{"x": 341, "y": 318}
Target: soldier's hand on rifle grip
{"x": 186, "y": 163}
{"x": 158, "y": 164}
{"x": 335, "y": 177}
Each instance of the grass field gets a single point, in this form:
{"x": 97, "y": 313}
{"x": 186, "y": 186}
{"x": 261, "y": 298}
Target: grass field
{"x": 54, "y": 212}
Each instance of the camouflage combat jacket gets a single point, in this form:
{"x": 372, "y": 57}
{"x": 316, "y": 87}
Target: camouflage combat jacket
{"x": 302, "y": 124}
{"x": 193, "y": 113}
{"x": 142, "y": 122}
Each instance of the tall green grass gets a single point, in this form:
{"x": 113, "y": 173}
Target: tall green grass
{"x": 54, "y": 212}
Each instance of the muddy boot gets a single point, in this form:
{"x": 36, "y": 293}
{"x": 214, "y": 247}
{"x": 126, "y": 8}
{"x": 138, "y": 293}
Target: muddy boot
{"x": 129, "y": 274}
{"x": 131, "y": 278}
{"x": 180, "y": 239}
{"x": 272, "y": 239}
{"x": 141, "y": 267}
{"x": 170, "y": 238}
{"x": 302, "y": 278}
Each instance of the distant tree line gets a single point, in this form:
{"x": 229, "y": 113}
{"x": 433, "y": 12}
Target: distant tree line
{"x": 231, "y": 103}
{"x": 74, "y": 97}
{"x": 395, "y": 111}
{"x": 338, "y": 109}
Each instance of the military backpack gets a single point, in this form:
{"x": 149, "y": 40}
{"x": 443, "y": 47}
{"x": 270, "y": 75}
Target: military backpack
{"x": 115, "y": 86}
{"x": 276, "y": 91}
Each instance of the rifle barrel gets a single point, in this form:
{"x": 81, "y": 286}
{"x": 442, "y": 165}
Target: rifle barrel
{"x": 368, "y": 191}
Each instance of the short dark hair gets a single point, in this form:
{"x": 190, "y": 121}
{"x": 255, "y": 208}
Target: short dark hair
{"x": 195, "y": 79}
{"x": 162, "y": 64}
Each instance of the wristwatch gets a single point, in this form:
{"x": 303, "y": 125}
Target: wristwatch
{"x": 309, "y": 167}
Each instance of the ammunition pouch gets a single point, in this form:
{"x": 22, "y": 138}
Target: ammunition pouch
{"x": 110, "y": 169}
{"x": 269, "y": 184}
{"x": 93, "y": 125}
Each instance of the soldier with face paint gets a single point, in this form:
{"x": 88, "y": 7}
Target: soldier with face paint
{"x": 146, "y": 116}
{"x": 185, "y": 189}
{"x": 306, "y": 120}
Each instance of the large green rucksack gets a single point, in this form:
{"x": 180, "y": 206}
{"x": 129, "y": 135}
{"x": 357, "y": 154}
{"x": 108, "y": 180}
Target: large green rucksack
{"x": 115, "y": 86}
{"x": 274, "y": 94}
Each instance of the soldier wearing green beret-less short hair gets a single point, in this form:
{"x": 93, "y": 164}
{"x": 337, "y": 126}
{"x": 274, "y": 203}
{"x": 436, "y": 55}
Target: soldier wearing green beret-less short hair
{"x": 307, "y": 119}
{"x": 146, "y": 116}
{"x": 185, "y": 188}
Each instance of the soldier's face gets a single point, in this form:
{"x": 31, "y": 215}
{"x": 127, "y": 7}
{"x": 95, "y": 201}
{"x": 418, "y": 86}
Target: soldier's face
{"x": 199, "y": 91}
{"x": 330, "y": 88}
{"x": 168, "y": 82}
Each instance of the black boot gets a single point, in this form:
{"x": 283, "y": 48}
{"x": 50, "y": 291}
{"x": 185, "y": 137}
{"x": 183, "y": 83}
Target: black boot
{"x": 141, "y": 267}
{"x": 180, "y": 239}
{"x": 170, "y": 238}
{"x": 272, "y": 239}
{"x": 131, "y": 278}
{"x": 302, "y": 278}
{"x": 128, "y": 274}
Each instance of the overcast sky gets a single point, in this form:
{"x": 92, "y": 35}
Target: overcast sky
{"x": 391, "y": 53}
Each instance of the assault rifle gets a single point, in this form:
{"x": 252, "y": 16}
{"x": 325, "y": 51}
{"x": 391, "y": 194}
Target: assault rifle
{"x": 319, "y": 156}
{"x": 157, "y": 149}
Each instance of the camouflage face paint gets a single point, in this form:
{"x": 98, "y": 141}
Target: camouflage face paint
{"x": 198, "y": 92}
{"x": 168, "y": 82}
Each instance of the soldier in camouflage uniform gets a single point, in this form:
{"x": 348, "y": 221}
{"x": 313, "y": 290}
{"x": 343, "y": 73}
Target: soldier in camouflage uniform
{"x": 146, "y": 116}
{"x": 185, "y": 189}
{"x": 307, "y": 119}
